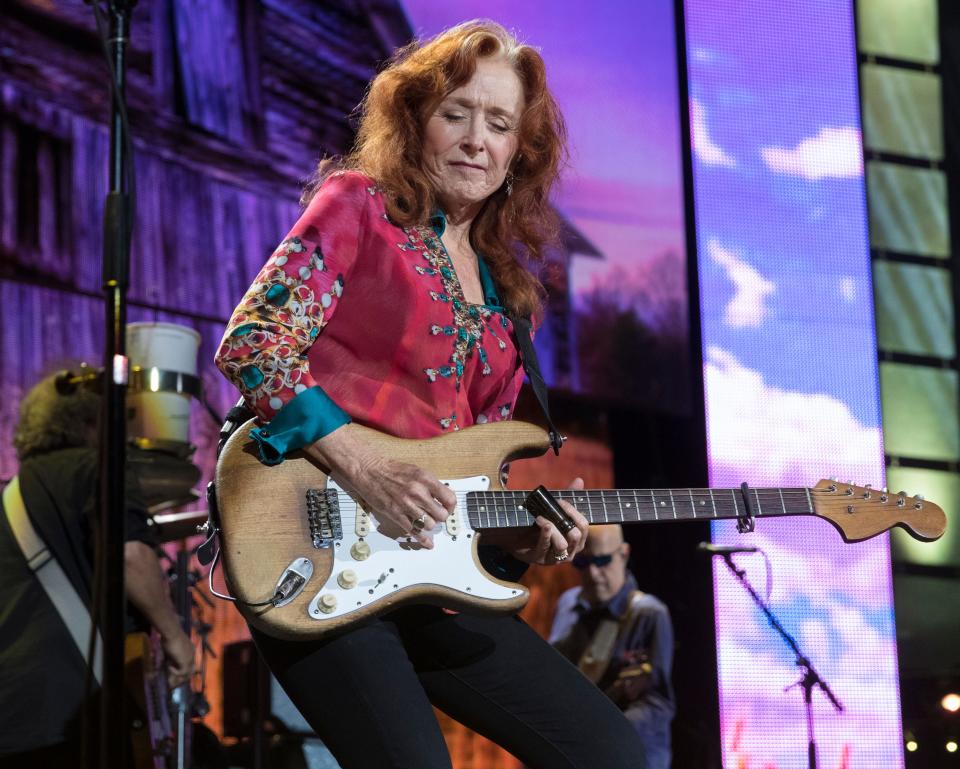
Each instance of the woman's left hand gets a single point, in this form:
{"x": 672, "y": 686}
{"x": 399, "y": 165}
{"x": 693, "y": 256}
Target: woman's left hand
{"x": 543, "y": 544}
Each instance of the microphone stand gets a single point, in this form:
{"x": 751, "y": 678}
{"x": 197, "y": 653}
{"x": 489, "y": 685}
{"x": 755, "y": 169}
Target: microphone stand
{"x": 809, "y": 678}
{"x": 183, "y": 695}
{"x": 117, "y": 227}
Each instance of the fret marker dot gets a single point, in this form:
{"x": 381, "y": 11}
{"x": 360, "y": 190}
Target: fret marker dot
{"x": 629, "y": 504}
{"x": 663, "y": 504}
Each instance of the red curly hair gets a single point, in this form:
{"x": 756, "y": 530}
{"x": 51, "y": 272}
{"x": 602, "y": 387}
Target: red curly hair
{"x": 389, "y": 145}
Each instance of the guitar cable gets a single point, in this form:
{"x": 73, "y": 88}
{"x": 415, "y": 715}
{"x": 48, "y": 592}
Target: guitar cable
{"x": 285, "y": 589}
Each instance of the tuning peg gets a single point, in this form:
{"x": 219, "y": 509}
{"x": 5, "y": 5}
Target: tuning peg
{"x": 866, "y": 492}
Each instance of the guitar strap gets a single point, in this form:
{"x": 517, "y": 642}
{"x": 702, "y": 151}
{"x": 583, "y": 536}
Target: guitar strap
{"x": 531, "y": 365}
{"x": 595, "y": 660}
{"x": 51, "y": 576}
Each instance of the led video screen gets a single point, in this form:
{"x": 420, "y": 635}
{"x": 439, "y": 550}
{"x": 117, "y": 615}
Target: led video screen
{"x": 790, "y": 373}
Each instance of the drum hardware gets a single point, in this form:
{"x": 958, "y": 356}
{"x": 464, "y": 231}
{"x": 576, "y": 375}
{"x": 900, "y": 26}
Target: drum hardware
{"x": 169, "y": 527}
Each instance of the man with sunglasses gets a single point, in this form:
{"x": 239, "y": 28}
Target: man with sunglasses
{"x": 620, "y": 638}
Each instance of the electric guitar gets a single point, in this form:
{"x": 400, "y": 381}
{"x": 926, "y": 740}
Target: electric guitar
{"x": 303, "y": 557}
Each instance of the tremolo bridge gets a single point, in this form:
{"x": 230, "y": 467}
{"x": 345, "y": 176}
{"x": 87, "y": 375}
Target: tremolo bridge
{"x": 323, "y": 515}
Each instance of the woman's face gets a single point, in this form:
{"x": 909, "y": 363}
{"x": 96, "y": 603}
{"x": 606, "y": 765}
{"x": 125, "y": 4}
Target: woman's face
{"x": 471, "y": 137}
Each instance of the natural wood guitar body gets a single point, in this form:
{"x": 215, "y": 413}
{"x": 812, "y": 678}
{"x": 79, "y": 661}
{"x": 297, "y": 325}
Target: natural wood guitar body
{"x": 264, "y": 527}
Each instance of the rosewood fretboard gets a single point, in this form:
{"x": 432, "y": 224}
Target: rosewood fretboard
{"x": 503, "y": 509}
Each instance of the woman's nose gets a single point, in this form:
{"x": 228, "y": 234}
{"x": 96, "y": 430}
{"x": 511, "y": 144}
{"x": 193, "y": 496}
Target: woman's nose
{"x": 472, "y": 140}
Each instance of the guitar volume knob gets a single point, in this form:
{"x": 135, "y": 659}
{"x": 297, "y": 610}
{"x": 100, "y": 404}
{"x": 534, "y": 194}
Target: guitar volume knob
{"x": 328, "y": 603}
{"x": 347, "y": 579}
{"x": 360, "y": 551}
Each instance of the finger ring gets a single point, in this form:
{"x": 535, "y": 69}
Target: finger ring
{"x": 420, "y": 523}
{"x": 562, "y": 556}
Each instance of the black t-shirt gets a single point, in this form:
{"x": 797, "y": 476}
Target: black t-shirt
{"x": 41, "y": 670}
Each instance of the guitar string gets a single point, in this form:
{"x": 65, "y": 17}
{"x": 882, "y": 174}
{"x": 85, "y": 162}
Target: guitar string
{"x": 508, "y": 500}
{"x": 499, "y": 505}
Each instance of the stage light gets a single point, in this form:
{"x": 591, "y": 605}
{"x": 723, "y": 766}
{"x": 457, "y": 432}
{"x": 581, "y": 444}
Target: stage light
{"x": 952, "y": 746}
{"x": 951, "y": 702}
{"x": 912, "y": 746}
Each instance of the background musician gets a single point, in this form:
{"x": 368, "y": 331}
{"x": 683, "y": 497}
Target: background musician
{"x": 620, "y": 638}
{"x": 43, "y": 672}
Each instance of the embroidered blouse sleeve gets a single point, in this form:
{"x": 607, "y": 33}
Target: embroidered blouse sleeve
{"x": 264, "y": 348}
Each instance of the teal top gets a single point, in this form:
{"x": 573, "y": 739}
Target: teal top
{"x": 490, "y": 297}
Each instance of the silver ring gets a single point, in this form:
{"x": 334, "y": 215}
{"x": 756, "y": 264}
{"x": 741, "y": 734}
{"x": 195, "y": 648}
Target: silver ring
{"x": 420, "y": 523}
{"x": 561, "y": 556}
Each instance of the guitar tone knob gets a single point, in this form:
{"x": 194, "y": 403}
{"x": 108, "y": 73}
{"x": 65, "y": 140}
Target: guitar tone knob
{"x": 360, "y": 551}
{"x": 347, "y": 579}
{"x": 328, "y": 603}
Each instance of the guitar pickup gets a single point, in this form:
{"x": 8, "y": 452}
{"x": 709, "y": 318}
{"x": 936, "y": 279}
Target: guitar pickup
{"x": 453, "y": 524}
{"x": 363, "y": 522}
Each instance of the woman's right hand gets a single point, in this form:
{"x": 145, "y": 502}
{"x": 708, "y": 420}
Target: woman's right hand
{"x": 398, "y": 492}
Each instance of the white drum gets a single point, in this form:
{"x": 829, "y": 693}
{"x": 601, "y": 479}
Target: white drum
{"x": 160, "y": 416}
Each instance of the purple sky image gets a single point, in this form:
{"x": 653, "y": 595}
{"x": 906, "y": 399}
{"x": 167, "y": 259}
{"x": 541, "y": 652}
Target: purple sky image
{"x": 612, "y": 67}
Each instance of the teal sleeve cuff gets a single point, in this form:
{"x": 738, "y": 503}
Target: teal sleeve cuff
{"x": 308, "y": 417}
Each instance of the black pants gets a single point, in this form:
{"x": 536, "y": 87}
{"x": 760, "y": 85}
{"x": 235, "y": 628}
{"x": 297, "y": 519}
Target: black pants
{"x": 367, "y": 693}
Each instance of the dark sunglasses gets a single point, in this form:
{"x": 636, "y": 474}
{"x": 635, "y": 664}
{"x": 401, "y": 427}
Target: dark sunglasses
{"x": 583, "y": 561}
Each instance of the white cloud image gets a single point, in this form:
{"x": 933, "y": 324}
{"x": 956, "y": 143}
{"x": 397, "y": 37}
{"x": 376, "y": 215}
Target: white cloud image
{"x": 830, "y": 615}
{"x": 848, "y": 289}
{"x": 704, "y": 148}
{"x": 765, "y": 434}
{"x": 834, "y": 153}
{"x": 746, "y": 309}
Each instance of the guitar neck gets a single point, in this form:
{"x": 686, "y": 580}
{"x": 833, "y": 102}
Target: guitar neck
{"x": 506, "y": 509}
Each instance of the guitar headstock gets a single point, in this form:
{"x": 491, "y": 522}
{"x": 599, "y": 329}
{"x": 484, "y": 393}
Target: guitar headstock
{"x": 861, "y": 512}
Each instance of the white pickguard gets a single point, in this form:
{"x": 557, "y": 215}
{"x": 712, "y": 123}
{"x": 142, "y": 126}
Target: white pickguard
{"x": 394, "y": 564}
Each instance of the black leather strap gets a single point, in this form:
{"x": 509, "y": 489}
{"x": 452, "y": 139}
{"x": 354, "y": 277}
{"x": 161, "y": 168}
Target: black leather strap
{"x": 236, "y": 416}
{"x": 528, "y": 354}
